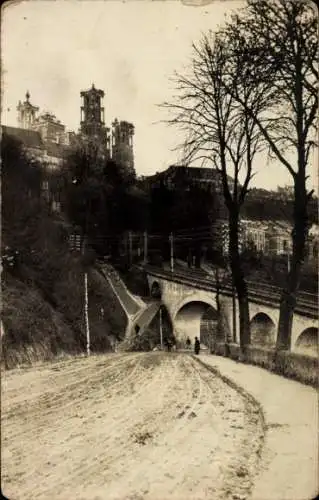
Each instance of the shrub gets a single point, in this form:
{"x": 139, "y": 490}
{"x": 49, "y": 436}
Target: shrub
{"x": 33, "y": 329}
{"x": 297, "y": 366}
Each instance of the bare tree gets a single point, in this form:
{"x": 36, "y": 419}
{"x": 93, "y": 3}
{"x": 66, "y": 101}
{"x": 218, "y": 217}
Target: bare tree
{"x": 219, "y": 131}
{"x": 277, "y": 43}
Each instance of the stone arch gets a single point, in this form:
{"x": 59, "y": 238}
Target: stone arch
{"x": 190, "y": 321}
{"x": 209, "y": 301}
{"x": 307, "y": 342}
{"x": 156, "y": 291}
{"x": 263, "y": 330}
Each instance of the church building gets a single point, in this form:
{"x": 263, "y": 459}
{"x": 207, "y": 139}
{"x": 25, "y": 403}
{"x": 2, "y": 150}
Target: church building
{"x": 46, "y": 139}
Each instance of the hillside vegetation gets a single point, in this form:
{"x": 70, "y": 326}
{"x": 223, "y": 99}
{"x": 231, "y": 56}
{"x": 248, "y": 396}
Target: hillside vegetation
{"x": 42, "y": 281}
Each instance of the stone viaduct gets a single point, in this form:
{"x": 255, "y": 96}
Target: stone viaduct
{"x": 193, "y": 312}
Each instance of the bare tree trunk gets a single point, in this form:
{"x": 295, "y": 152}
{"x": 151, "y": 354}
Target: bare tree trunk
{"x": 300, "y": 230}
{"x": 289, "y": 295}
{"x": 239, "y": 279}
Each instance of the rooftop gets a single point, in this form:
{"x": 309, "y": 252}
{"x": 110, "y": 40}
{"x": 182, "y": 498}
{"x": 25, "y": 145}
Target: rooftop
{"x": 30, "y": 138}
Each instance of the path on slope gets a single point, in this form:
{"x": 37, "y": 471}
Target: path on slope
{"x": 153, "y": 426}
{"x": 130, "y": 303}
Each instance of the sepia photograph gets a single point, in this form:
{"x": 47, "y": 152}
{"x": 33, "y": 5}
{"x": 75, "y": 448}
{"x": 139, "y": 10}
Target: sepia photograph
{"x": 159, "y": 250}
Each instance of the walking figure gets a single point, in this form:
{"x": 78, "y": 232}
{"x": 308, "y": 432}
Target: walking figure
{"x": 196, "y": 346}
{"x": 188, "y": 343}
{"x": 168, "y": 345}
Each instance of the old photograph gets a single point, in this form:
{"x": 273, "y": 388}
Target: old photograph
{"x": 159, "y": 250}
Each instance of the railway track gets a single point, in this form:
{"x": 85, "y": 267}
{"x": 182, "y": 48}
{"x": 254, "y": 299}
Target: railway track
{"x": 260, "y": 292}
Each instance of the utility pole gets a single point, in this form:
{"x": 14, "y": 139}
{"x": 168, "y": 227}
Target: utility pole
{"x": 288, "y": 261}
{"x": 130, "y": 243}
{"x": 86, "y": 312}
{"x": 145, "y": 247}
{"x": 234, "y": 316}
{"x": 161, "y": 327}
{"x": 86, "y": 296}
{"x": 172, "y": 251}
{"x": 86, "y": 303}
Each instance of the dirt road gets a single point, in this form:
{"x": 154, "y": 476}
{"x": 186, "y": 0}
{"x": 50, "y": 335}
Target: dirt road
{"x": 153, "y": 426}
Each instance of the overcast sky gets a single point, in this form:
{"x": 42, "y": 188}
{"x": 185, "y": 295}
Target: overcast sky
{"x": 129, "y": 49}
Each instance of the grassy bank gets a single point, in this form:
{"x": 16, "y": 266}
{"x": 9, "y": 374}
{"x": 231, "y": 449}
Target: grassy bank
{"x": 295, "y": 366}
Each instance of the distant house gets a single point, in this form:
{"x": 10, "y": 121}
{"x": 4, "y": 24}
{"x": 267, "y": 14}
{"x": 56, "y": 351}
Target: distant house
{"x": 313, "y": 244}
{"x": 278, "y": 237}
{"x": 268, "y": 237}
{"x": 275, "y": 238}
{"x": 255, "y": 232}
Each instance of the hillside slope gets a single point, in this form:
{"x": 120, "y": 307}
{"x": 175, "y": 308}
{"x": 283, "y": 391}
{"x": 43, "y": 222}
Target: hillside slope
{"x": 42, "y": 280}
{"x": 40, "y": 326}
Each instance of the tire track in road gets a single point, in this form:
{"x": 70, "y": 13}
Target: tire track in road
{"x": 123, "y": 414}
{"x": 48, "y": 373}
{"x": 244, "y": 467}
{"x": 162, "y": 449}
{"x": 44, "y": 397}
{"x": 116, "y": 456}
{"x": 34, "y": 431}
{"x": 156, "y": 426}
{"x": 166, "y": 461}
{"x": 191, "y": 404}
{"x": 76, "y": 397}
{"x": 44, "y": 429}
{"x": 180, "y": 477}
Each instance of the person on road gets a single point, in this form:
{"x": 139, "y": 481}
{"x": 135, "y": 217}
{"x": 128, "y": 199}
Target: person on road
{"x": 196, "y": 346}
{"x": 188, "y": 343}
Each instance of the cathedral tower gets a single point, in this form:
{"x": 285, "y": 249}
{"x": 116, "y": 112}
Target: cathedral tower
{"x": 92, "y": 120}
{"x": 122, "y": 144}
{"x": 92, "y": 113}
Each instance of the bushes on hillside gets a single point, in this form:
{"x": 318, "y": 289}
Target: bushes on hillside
{"x": 34, "y": 330}
{"x": 42, "y": 281}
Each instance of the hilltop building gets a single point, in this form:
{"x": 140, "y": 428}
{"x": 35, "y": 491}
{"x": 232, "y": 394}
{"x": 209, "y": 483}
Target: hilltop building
{"x": 46, "y": 139}
{"x": 122, "y": 144}
{"x": 177, "y": 177}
